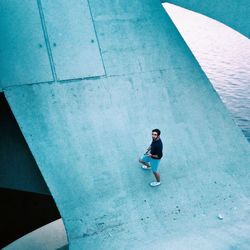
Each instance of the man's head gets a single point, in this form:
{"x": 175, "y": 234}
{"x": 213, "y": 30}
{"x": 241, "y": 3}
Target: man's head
{"x": 156, "y": 134}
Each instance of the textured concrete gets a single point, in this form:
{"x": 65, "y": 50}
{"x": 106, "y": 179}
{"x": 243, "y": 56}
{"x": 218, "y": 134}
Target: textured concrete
{"x": 88, "y": 153}
{"x": 72, "y": 36}
{"x": 23, "y": 52}
{"x": 87, "y": 134}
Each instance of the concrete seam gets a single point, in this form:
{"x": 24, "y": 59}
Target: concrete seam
{"x": 93, "y": 22}
{"x": 46, "y": 37}
{"x": 91, "y": 78}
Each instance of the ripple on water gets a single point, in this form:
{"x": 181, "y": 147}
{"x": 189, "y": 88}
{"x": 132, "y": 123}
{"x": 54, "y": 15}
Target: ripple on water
{"x": 224, "y": 55}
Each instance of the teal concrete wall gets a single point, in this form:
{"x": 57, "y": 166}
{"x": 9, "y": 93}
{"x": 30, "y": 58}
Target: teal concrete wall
{"x": 86, "y": 134}
{"x": 23, "y": 54}
{"x": 234, "y": 14}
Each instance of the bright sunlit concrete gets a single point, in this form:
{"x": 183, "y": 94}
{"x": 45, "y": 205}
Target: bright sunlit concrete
{"x": 48, "y": 237}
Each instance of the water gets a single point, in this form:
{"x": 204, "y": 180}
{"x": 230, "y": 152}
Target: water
{"x": 224, "y": 56}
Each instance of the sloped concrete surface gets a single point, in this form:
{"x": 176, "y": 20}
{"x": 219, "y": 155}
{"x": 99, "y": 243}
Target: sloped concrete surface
{"x": 88, "y": 153}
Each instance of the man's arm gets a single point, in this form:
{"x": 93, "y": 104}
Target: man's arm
{"x": 148, "y": 149}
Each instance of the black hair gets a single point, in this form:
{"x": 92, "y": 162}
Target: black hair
{"x": 157, "y": 131}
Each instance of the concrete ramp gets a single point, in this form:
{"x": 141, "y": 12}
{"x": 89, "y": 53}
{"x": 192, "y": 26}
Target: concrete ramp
{"x": 87, "y": 134}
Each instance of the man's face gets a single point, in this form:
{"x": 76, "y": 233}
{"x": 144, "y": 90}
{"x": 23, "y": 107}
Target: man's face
{"x": 154, "y": 136}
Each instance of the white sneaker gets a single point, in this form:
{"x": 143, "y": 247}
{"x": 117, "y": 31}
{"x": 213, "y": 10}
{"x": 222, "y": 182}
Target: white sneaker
{"x": 145, "y": 167}
{"x": 155, "y": 184}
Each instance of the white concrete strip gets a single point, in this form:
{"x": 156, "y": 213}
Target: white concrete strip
{"x": 48, "y": 237}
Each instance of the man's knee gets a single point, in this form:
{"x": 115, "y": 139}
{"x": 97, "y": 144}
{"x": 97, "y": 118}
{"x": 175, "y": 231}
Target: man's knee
{"x": 142, "y": 162}
{"x": 155, "y": 170}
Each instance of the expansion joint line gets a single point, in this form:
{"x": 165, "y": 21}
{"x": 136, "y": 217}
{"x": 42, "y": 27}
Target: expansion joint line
{"x": 45, "y": 32}
{"x": 90, "y": 11}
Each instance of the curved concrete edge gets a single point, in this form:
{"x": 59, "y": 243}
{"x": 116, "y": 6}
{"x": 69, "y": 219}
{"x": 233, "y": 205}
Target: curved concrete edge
{"x": 50, "y": 236}
{"x": 232, "y": 13}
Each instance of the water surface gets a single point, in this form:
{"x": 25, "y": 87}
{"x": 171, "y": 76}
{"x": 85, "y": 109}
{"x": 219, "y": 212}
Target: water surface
{"x": 224, "y": 55}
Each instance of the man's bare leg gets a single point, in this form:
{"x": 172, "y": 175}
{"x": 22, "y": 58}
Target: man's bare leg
{"x": 144, "y": 163}
{"x": 157, "y": 176}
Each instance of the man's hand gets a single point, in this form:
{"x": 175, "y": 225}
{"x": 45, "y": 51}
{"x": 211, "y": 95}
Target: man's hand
{"x": 155, "y": 156}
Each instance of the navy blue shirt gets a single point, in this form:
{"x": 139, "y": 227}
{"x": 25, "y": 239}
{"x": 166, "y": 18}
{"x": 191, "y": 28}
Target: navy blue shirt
{"x": 156, "y": 148}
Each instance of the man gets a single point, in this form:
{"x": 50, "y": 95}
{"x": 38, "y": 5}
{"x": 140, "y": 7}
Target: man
{"x": 151, "y": 159}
